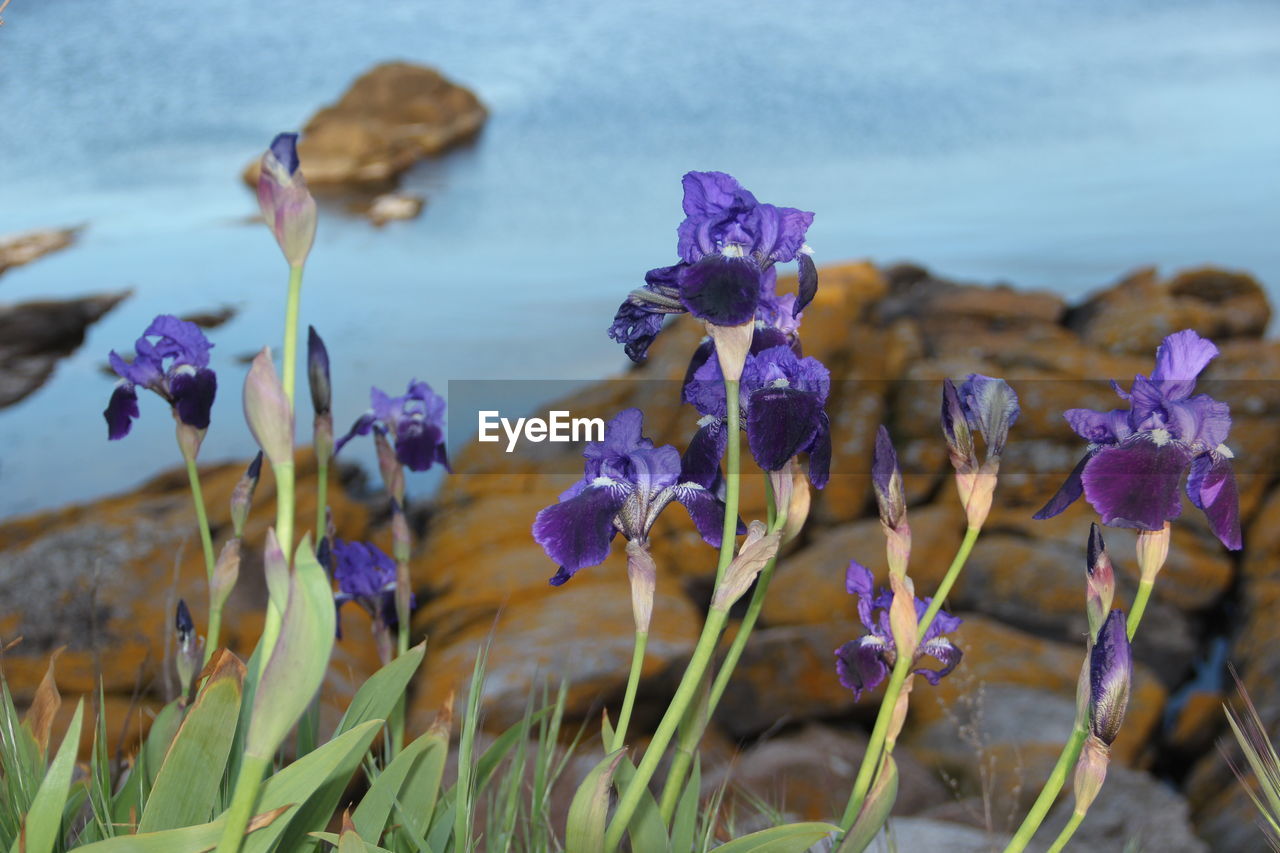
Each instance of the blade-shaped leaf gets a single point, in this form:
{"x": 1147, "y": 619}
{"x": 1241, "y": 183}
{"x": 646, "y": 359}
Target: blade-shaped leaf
{"x": 42, "y": 825}
{"x": 790, "y": 838}
{"x": 333, "y": 838}
{"x": 875, "y": 811}
{"x": 647, "y": 829}
{"x": 44, "y": 705}
{"x": 188, "y": 839}
{"x": 370, "y": 817}
{"x": 186, "y": 789}
{"x": 684, "y": 826}
{"x": 589, "y": 811}
{"x": 377, "y": 696}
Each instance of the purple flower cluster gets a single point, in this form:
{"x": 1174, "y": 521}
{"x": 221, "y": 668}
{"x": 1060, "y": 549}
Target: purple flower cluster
{"x": 1137, "y": 457}
{"x": 415, "y": 422}
{"x": 863, "y": 663}
{"x": 626, "y": 483}
{"x": 366, "y": 575}
{"x": 175, "y": 366}
{"x": 728, "y": 245}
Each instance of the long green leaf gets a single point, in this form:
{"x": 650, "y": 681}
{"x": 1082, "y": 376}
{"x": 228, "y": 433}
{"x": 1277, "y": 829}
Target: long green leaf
{"x": 589, "y": 811}
{"x": 334, "y": 839}
{"x": 791, "y": 838}
{"x": 378, "y": 696}
{"x": 187, "y": 787}
{"x": 875, "y": 811}
{"x": 684, "y": 826}
{"x": 647, "y": 829}
{"x": 42, "y": 826}
{"x": 370, "y": 817}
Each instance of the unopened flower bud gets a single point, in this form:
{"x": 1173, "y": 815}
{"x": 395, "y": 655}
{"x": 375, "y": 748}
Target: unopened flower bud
{"x": 732, "y": 345}
{"x": 990, "y": 407}
{"x": 643, "y": 574}
{"x": 225, "y": 574}
{"x": 955, "y": 427}
{"x": 189, "y": 651}
{"x": 886, "y": 480}
{"x": 1091, "y": 772}
{"x": 267, "y": 410}
{"x": 1101, "y": 581}
{"x": 757, "y": 550}
{"x": 1110, "y": 671}
{"x": 286, "y": 204}
{"x": 318, "y": 372}
{"x": 1153, "y": 550}
{"x": 242, "y": 495}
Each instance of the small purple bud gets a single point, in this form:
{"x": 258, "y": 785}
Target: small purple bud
{"x": 267, "y": 410}
{"x": 318, "y": 372}
{"x": 1110, "y": 671}
{"x": 242, "y": 494}
{"x": 188, "y": 657}
{"x": 992, "y": 407}
{"x": 183, "y": 623}
{"x": 955, "y": 427}
{"x": 287, "y": 206}
{"x": 886, "y": 479}
{"x": 1101, "y": 581}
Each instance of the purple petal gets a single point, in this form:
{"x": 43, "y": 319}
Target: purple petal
{"x": 576, "y": 533}
{"x": 766, "y": 338}
{"x": 860, "y": 664}
{"x": 778, "y": 232}
{"x": 1068, "y": 493}
{"x": 991, "y": 407}
{"x": 944, "y": 652}
{"x": 121, "y": 411}
{"x": 146, "y": 368}
{"x": 1179, "y": 360}
{"x": 635, "y": 327}
{"x": 417, "y": 442}
{"x": 1099, "y": 427}
{"x": 858, "y": 580}
{"x": 362, "y": 426}
{"x": 705, "y": 509}
{"x": 808, "y": 283}
{"x": 285, "y": 149}
{"x": 193, "y": 394}
{"x": 701, "y": 461}
{"x": 943, "y": 622}
{"x": 704, "y": 389}
{"x": 780, "y": 423}
{"x": 180, "y": 340}
{"x": 318, "y": 372}
{"x": 723, "y": 291}
{"x": 1212, "y": 488}
{"x": 819, "y": 451}
{"x": 1110, "y": 670}
{"x": 1135, "y": 484}
{"x": 1199, "y": 419}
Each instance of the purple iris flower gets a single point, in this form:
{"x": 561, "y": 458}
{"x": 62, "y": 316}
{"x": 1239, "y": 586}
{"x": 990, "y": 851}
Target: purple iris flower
{"x": 367, "y": 576}
{"x": 1137, "y": 458}
{"x": 415, "y": 422}
{"x": 782, "y": 399}
{"x": 728, "y": 244}
{"x": 626, "y": 483}
{"x": 185, "y": 382}
{"x": 863, "y": 663}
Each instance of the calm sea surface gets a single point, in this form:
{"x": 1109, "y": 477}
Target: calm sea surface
{"x": 1051, "y": 144}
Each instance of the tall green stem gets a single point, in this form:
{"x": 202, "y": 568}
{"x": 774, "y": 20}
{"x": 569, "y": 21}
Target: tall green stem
{"x": 206, "y": 542}
{"x": 901, "y": 670}
{"x": 322, "y": 496}
{"x": 242, "y": 803}
{"x": 733, "y": 479}
{"x": 684, "y": 695}
{"x": 288, "y": 379}
{"x": 1071, "y": 751}
{"x": 633, "y": 686}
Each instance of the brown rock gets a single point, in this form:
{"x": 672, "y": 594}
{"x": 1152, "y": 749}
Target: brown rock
{"x": 392, "y": 116}
{"x": 35, "y": 336}
{"x": 19, "y": 249}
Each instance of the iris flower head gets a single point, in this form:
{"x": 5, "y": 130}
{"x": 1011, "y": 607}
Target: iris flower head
{"x": 175, "y": 366}
{"x": 414, "y": 421}
{"x": 863, "y": 663}
{"x": 1137, "y": 458}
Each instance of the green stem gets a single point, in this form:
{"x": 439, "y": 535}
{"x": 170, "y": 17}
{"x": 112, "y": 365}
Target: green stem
{"x": 1139, "y": 606}
{"x": 1058, "y": 778}
{"x": 1067, "y": 831}
{"x": 322, "y": 496}
{"x": 1071, "y": 751}
{"x": 206, "y": 542}
{"x": 684, "y": 695}
{"x": 733, "y": 478}
{"x": 633, "y": 686}
{"x": 901, "y": 671}
{"x": 242, "y": 803}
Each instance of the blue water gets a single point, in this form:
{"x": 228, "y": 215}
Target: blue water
{"x": 1052, "y": 144}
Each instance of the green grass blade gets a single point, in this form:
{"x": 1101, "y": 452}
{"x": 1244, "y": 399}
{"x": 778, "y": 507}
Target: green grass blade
{"x": 42, "y": 826}
{"x": 684, "y": 825}
{"x": 378, "y": 696}
{"x": 186, "y": 789}
{"x": 791, "y": 838}
{"x": 370, "y": 817}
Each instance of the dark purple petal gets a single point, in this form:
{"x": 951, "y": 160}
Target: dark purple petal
{"x": 1179, "y": 360}
{"x": 766, "y": 338}
{"x": 955, "y": 428}
{"x": 1135, "y": 484}
{"x": 576, "y": 533}
{"x": 1097, "y": 550}
{"x": 1110, "y": 670}
{"x": 1068, "y": 493}
{"x": 780, "y": 367}
{"x": 780, "y": 423}
{"x": 417, "y": 443}
{"x": 723, "y": 291}
{"x": 193, "y": 394}
{"x": 859, "y": 581}
{"x": 808, "y": 283}
{"x": 442, "y": 457}
{"x": 820, "y": 453}
{"x": 705, "y": 509}
{"x": 860, "y": 664}
{"x": 1200, "y": 420}
{"x": 285, "y": 149}
{"x": 146, "y": 368}
{"x": 121, "y": 411}
{"x": 651, "y": 469}
{"x": 362, "y": 426}
{"x": 561, "y": 577}
{"x": 635, "y": 327}
{"x": 704, "y": 388}
{"x": 701, "y": 461}
{"x": 1212, "y": 488}
{"x": 362, "y": 570}
{"x": 318, "y": 372}
{"x": 991, "y": 407}
{"x": 1099, "y": 427}
{"x": 943, "y": 622}
{"x": 701, "y": 356}
{"x": 183, "y": 624}
{"x": 886, "y": 480}
{"x": 944, "y": 652}
{"x": 181, "y": 340}
{"x": 777, "y": 233}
